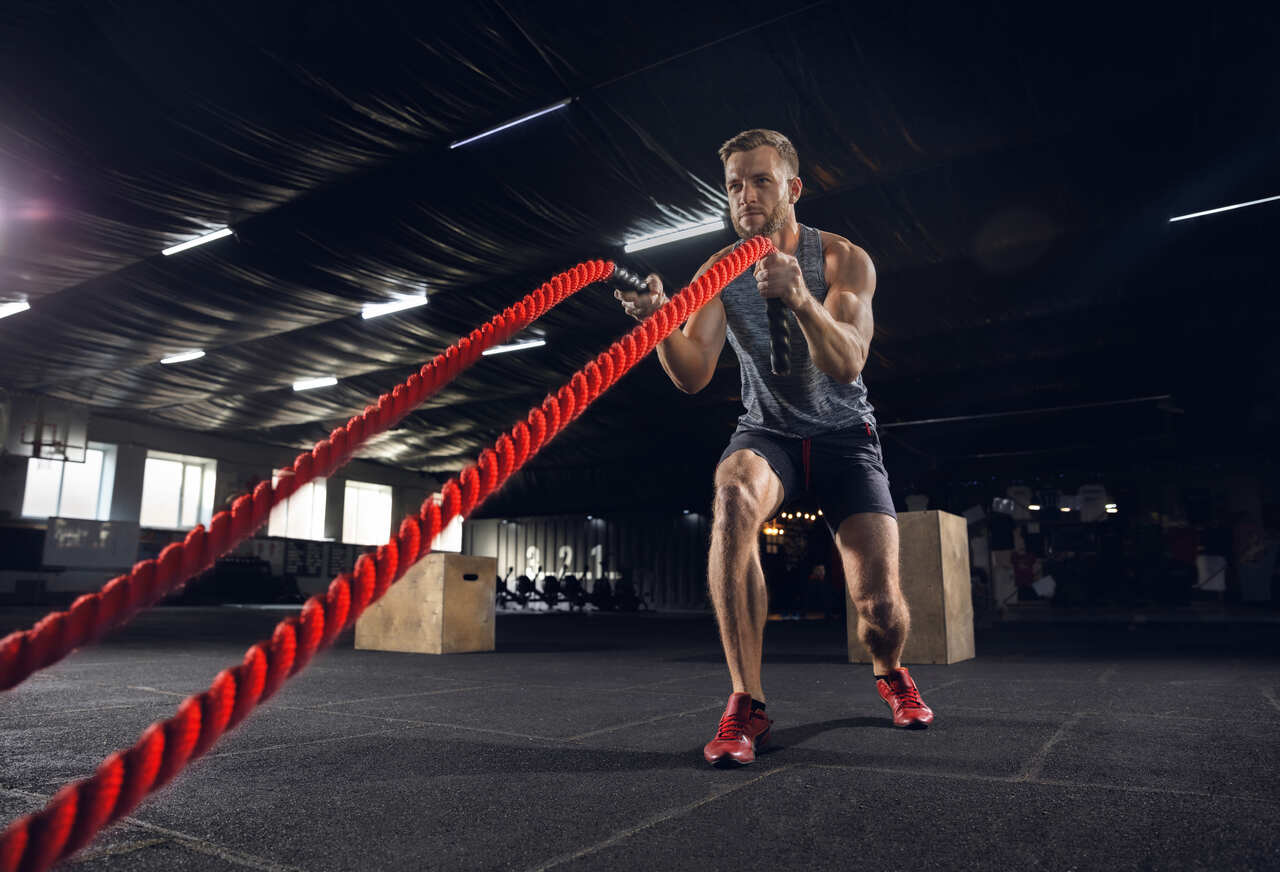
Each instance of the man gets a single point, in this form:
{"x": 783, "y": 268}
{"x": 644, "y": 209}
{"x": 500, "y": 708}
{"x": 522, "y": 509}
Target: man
{"x": 813, "y": 428}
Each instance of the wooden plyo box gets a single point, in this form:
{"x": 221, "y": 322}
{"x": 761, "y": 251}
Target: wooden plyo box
{"x": 443, "y": 605}
{"x": 934, "y": 568}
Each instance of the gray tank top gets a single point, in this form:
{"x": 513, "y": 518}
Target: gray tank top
{"x": 808, "y": 402}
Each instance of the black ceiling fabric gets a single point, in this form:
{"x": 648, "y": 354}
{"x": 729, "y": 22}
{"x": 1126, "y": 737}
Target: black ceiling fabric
{"x": 1010, "y": 171}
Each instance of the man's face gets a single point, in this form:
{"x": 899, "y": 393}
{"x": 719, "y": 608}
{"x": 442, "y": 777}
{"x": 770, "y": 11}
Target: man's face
{"x": 759, "y": 191}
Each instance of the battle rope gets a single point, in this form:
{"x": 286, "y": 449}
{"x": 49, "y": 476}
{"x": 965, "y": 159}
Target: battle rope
{"x": 93, "y": 615}
{"x": 34, "y": 842}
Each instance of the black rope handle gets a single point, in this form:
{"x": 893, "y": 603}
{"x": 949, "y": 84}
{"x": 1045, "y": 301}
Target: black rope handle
{"x": 628, "y": 280}
{"x": 779, "y": 338}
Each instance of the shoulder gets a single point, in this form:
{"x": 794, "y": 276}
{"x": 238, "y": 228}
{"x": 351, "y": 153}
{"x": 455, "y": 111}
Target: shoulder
{"x": 842, "y": 254}
{"x": 848, "y": 266}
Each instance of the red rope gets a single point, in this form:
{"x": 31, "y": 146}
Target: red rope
{"x": 34, "y": 842}
{"x": 93, "y": 615}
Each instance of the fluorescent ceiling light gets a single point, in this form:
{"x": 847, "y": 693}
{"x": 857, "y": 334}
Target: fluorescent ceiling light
{"x": 308, "y": 384}
{"x": 1066, "y": 509}
{"x": 192, "y": 243}
{"x": 1034, "y": 508}
{"x": 1113, "y": 511}
{"x": 374, "y": 310}
{"x": 1112, "y": 506}
{"x": 521, "y": 120}
{"x": 183, "y": 357}
{"x": 7, "y": 309}
{"x": 515, "y": 346}
{"x": 663, "y": 237}
{"x": 1225, "y": 208}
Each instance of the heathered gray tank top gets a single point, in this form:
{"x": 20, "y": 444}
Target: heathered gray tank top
{"x": 808, "y": 402}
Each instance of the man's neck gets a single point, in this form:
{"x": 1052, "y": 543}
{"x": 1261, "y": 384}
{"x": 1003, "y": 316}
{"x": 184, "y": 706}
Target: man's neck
{"x": 787, "y": 239}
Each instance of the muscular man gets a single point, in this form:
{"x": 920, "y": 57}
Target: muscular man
{"x": 813, "y": 429}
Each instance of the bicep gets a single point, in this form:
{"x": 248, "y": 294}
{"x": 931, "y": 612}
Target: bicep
{"x": 851, "y": 291}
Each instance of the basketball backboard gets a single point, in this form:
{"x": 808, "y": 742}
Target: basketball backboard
{"x": 47, "y": 428}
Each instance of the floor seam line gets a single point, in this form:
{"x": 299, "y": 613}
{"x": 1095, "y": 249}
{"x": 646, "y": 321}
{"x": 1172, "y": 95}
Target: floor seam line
{"x": 195, "y": 843}
{"x": 662, "y": 818}
{"x": 325, "y": 711}
{"x": 629, "y": 724}
{"x": 1036, "y": 763}
{"x": 413, "y": 695}
{"x": 298, "y": 744}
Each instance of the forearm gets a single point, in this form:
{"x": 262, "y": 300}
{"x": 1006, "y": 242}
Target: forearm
{"x": 683, "y": 361}
{"x": 836, "y": 349}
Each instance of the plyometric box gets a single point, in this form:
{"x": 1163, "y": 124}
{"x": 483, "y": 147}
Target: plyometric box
{"x": 443, "y": 605}
{"x": 934, "y": 568}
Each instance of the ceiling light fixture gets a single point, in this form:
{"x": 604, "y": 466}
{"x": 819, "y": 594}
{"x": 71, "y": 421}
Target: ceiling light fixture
{"x": 308, "y": 384}
{"x": 1033, "y": 507}
{"x": 1225, "y": 208}
{"x": 376, "y": 310}
{"x": 662, "y": 237}
{"x": 7, "y": 309}
{"x": 201, "y": 240}
{"x": 515, "y": 346}
{"x": 512, "y": 123}
{"x": 183, "y": 357}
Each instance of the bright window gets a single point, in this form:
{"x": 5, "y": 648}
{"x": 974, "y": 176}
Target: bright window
{"x": 366, "y": 513}
{"x": 302, "y": 515}
{"x": 61, "y": 489}
{"x": 177, "y": 491}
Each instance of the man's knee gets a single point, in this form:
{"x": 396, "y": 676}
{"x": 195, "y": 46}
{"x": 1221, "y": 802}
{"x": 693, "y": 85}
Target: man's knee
{"x": 737, "y": 505}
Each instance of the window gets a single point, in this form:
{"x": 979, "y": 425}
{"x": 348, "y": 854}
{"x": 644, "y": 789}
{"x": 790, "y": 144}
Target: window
{"x": 366, "y": 513}
{"x": 61, "y": 489}
{"x": 302, "y": 515}
{"x": 177, "y": 491}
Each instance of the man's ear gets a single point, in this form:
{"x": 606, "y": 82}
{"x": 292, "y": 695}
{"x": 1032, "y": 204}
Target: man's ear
{"x": 796, "y": 187}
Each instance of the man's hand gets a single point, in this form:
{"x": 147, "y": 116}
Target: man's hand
{"x": 778, "y": 276}
{"x": 641, "y": 306}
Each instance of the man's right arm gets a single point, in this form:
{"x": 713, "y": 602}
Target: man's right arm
{"x": 688, "y": 355}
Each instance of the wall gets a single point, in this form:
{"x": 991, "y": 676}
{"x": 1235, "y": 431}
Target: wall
{"x": 13, "y": 484}
{"x": 237, "y": 462}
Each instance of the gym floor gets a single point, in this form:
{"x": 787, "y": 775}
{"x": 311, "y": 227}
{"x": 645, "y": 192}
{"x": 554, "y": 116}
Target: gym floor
{"x": 577, "y": 745}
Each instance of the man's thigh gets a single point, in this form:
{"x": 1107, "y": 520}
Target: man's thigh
{"x": 868, "y": 545}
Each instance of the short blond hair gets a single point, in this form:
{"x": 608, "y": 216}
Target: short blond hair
{"x": 749, "y": 139}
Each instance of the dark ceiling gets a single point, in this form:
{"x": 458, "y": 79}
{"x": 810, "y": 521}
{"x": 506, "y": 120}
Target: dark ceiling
{"x": 1010, "y": 172}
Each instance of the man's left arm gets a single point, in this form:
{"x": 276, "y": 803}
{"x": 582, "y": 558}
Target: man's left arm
{"x": 838, "y": 330}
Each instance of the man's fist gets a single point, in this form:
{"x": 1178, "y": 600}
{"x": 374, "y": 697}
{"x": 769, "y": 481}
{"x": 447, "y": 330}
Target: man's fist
{"x": 778, "y": 276}
{"x": 641, "y": 306}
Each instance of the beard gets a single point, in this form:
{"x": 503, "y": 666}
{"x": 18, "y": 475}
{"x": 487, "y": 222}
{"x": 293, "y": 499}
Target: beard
{"x": 773, "y": 222}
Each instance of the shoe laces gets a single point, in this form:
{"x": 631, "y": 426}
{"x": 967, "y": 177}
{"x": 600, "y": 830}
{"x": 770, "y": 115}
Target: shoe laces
{"x": 906, "y": 693}
{"x": 730, "y": 728}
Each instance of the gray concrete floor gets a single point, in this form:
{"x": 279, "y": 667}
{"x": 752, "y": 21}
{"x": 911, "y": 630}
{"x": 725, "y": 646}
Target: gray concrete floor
{"x": 577, "y": 746}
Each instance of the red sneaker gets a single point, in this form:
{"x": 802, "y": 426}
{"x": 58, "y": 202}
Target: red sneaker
{"x": 900, "y": 694}
{"x": 741, "y": 731}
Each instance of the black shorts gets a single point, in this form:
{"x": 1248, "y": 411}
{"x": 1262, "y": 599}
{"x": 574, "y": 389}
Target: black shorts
{"x": 842, "y": 471}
